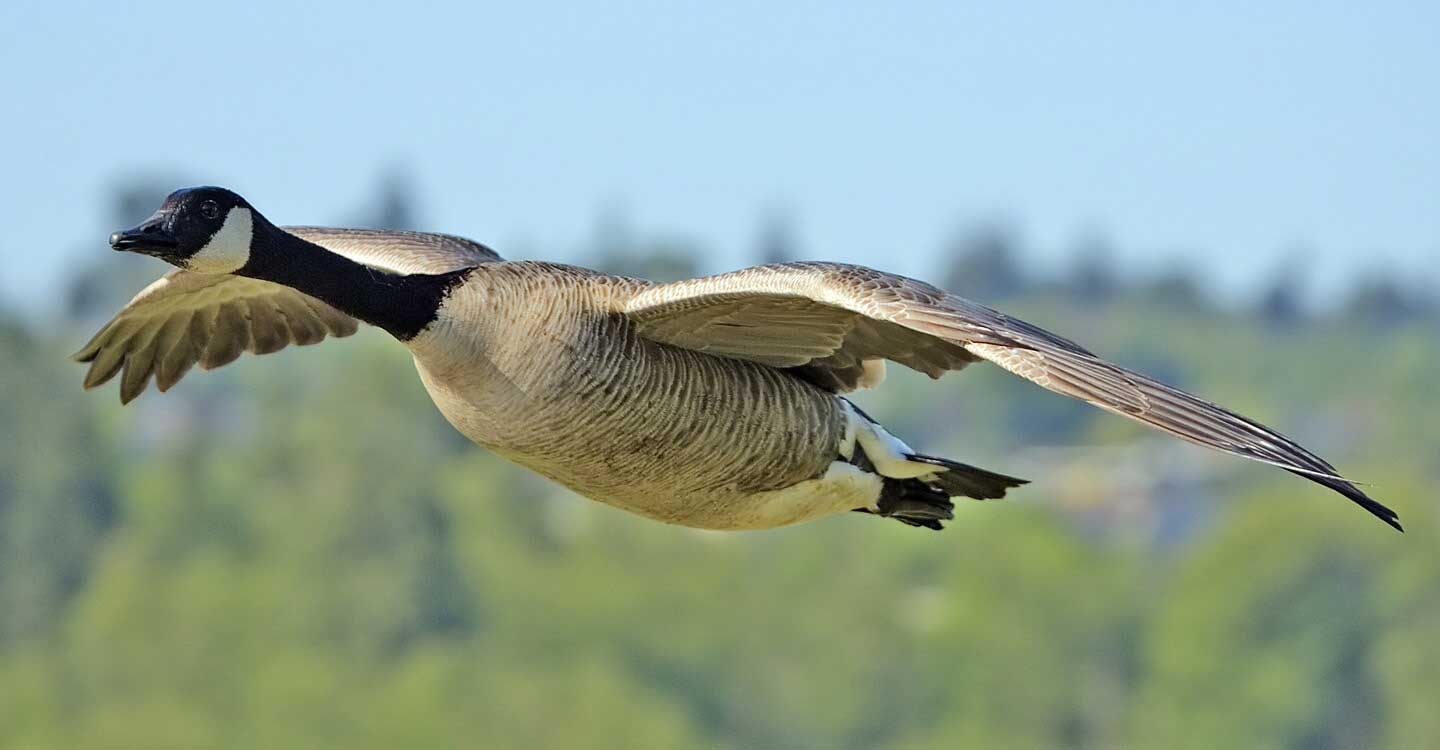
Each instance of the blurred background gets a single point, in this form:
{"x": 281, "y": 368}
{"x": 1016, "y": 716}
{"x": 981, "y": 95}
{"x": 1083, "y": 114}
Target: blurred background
{"x": 297, "y": 551}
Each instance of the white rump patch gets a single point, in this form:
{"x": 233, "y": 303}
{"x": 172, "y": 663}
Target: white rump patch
{"x": 884, "y": 450}
{"x": 228, "y": 249}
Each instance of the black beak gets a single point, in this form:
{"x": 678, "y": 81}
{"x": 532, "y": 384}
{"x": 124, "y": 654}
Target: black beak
{"x": 150, "y": 238}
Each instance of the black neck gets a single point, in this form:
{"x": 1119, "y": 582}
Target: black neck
{"x": 402, "y": 304}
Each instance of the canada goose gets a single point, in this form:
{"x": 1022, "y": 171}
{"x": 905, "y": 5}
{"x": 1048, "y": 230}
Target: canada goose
{"x": 712, "y": 402}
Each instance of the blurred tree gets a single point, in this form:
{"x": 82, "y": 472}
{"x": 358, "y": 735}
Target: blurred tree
{"x": 659, "y": 260}
{"x": 396, "y": 205}
{"x": 1276, "y": 636}
{"x": 1093, "y": 280}
{"x": 616, "y": 249}
{"x": 1281, "y": 305}
{"x": 1380, "y": 301}
{"x": 1177, "y": 289}
{"x": 777, "y": 243}
{"x": 979, "y": 691}
{"x": 106, "y": 280}
{"x": 984, "y": 263}
{"x": 58, "y": 488}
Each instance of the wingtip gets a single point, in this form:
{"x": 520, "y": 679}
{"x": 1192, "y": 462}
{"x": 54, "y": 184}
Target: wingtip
{"x": 1380, "y": 511}
{"x": 1355, "y": 495}
{"x": 1390, "y": 517}
{"x": 1374, "y": 507}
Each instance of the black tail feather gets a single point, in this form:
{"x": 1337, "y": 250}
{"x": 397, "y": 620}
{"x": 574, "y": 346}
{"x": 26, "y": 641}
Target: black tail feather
{"x": 914, "y": 502}
{"x": 926, "y": 502}
{"x": 964, "y": 480}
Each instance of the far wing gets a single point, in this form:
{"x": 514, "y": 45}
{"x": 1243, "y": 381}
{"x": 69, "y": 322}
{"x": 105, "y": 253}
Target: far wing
{"x": 186, "y": 318}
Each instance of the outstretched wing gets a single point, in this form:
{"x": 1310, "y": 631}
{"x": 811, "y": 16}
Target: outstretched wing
{"x": 830, "y": 319}
{"x": 184, "y": 317}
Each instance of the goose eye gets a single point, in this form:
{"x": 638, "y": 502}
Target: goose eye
{"x": 210, "y": 209}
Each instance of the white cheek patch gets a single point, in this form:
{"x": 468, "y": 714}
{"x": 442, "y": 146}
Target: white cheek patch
{"x": 229, "y": 249}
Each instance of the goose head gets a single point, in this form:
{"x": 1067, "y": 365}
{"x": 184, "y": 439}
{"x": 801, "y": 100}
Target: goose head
{"x": 203, "y": 229}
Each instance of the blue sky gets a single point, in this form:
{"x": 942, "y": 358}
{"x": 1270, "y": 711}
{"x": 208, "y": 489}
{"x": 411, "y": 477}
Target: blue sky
{"x": 1219, "y": 136}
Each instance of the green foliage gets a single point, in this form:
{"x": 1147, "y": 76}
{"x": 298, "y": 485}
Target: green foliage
{"x": 296, "y": 551}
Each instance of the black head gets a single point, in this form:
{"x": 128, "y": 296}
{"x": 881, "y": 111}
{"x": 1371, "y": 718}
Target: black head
{"x": 206, "y": 229}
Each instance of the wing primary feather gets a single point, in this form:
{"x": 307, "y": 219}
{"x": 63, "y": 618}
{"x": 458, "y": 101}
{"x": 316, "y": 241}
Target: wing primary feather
{"x": 139, "y": 364}
{"x": 230, "y": 337}
{"x": 304, "y": 325}
{"x": 268, "y": 332}
{"x": 338, "y": 324}
{"x": 93, "y": 346}
{"x": 1174, "y": 411}
{"x": 103, "y": 366}
{"x": 176, "y": 353}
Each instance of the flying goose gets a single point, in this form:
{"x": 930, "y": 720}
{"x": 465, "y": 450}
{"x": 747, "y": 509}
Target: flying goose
{"x": 713, "y": 402}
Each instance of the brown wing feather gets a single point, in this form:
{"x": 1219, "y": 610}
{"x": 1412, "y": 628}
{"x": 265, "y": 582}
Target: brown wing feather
{"x": 889, "y": 311}
{"x": 185, "y": 318}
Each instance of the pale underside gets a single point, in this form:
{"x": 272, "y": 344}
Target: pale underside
{"x": 843, "y": 487}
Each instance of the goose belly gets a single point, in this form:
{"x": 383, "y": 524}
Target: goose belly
{"x": 675, "y": 435}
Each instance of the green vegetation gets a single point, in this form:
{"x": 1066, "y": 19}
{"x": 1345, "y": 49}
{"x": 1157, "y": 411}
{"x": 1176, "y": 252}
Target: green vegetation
{"x": 297, "y": 551}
